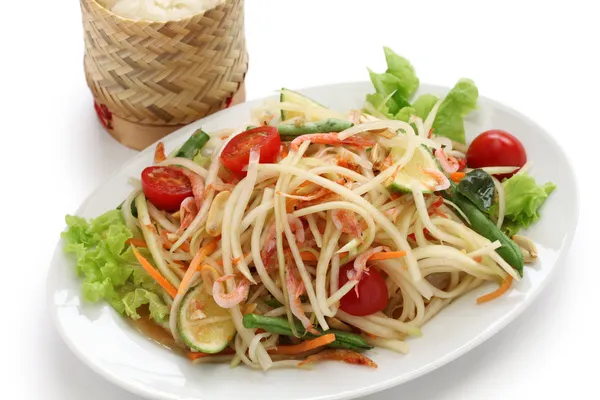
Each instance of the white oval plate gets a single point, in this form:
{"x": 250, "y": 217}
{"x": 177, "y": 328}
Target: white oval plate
{"x": 105, "y": 342}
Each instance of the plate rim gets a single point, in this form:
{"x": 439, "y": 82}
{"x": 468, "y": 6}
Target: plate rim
{"x": 146, "y": 391}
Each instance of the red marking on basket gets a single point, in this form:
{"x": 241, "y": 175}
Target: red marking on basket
{"x": 104, "y": 115}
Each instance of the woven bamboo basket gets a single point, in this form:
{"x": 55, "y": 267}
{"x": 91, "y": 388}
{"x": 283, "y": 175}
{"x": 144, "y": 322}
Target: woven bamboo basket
{"x": 151, "y": 78}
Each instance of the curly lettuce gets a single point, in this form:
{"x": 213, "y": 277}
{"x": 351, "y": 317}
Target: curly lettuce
{"x": 459, "y": 102}
{"x": 524, "y": 198}
{"x": 424, "y": 104}
{"x": 108, "y": 267}
{"x": 395, "y": 88}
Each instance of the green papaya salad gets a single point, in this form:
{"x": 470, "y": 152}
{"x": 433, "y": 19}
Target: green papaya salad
{"x": 309, "y": 234}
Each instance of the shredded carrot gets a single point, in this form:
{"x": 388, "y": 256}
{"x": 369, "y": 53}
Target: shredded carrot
{"x": 369, "y": 335}
{"x": 478, "y": 259}
{"x": 284, "y": 151}
{"x": 198, "y": 258}
{"x": 498, "y": 292}
{"x": 308, "y": 256}
{"x": 290, "y": 204}
{"x": 136, "y": 242}
{"x": 387, "y": 255}
{"x": 457, "y": 176}
{"x": 234, "y": 261}
{"x": 154, "y": 273}
{"x": 304, "y": 346}
{"x": 185, "y": 246}
{"x": 192, "y": 355}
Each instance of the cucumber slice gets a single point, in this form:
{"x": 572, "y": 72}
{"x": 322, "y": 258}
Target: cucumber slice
{"x": 211, "y": 338}
{"x": 318, "y": 111}
{"x": 422, "y": 159}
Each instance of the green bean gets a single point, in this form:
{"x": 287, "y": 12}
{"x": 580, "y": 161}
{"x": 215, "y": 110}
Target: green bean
{"x": 281, "y": 326}
{"x": 324, "y": 126}
{"x": 193, "y": 145}
{"x": 481, "y": 224}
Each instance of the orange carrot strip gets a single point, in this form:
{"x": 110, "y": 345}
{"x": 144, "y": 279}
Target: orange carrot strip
{"x": 234, "y": 261}
{"x": 154, "y": 273}
{"x": 308, "y": 256}
{"x": 192, "y": 355}
{"x": 457, "y": 176}
{"x": 284, "y": 151}
{"x": 387, "y": 255}
{"x": 185, "y": 246}
{"x": 136, "y": 242}
{"x": 304, "y": 346}
{"x": 498, "y": 292}
{"x": 290, "y": 203}
{"x": 478, "y": 259}
{"x": 198, "y": 258}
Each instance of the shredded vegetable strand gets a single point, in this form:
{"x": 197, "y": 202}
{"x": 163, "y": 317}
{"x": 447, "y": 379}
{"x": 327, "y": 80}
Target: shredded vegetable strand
{"x": 245, "y": 334}
{"x": 234, "y": 228}
{"x": 255, "y": 245}
{"x": 153, "y": 241}
{"x": 377, "y": 216}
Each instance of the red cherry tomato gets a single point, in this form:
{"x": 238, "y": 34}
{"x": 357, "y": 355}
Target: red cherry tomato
{"x": 236, "y": 154}
{"x": 496, "y": 148}
{"x": 165, "y": 187}
{"x": 372, "y": 293}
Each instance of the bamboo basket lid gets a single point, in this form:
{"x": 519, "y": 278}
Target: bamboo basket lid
{"x": 151, "y": 78}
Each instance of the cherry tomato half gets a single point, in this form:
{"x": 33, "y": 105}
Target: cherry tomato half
{"x": 372, "y": 293}
{"x": 496, "y": 148}
{"x": 165, "y": 187}
{"x": 236, "y": 154}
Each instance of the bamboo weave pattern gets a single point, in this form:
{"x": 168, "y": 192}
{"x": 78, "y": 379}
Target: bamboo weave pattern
{"x": 165, "y": 73}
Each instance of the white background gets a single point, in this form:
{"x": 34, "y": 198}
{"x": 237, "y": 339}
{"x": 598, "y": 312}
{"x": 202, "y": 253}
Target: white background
{"x": 540, "y": 57}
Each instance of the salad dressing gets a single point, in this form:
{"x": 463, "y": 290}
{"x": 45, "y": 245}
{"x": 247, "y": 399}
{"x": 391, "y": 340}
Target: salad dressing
{"x": 154, "y": 332}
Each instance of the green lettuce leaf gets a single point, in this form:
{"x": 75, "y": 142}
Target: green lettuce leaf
{"x": 387, "y": 84}
{"x": 108, "y": 267}
{"x": 524, "y": 198}
{"x": 376, "y": 105}
{"x": 459, "y": 102}
{"x": 394, "y": 87}
{"x": 405, "y": 114}
{"x": 139, "y": 297}
{"x": 403, "y": 70}
{"x": 424, "y": 104}
{"x": 510, "y": 227}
